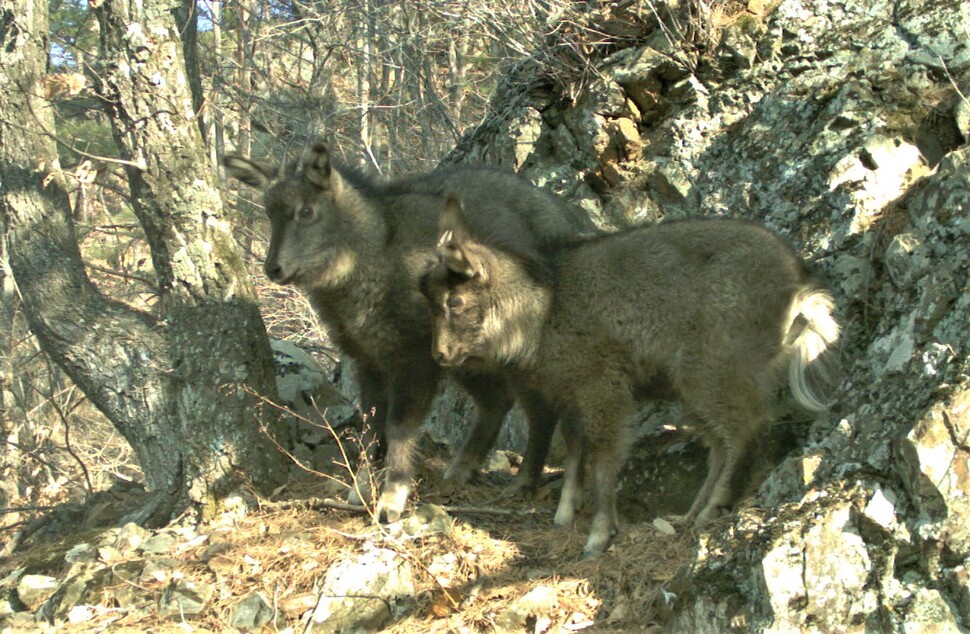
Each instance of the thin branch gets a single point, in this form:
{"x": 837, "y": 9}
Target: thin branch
{"x": 25, "y": 509}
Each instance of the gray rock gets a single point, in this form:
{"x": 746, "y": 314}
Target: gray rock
{"x": 935, "y": 454}
{"x": 251, "y": 613}
{"x": 929, "y": 612}
{"x": 906, "y": 259}
{"x": 303, "y": 388}
{"x": 426, "y": 521}
{"x": 538, "y": 602}
{"x": 184, "y": 599}
{"x": 364, "y": 593}
{"x": 33, "y": 590}
{"x": 891, "y": 353}
{"x": 161, "y": 543}
{"x": 129, "y": 538}
{"x": 820, "y": 578}
{"x": 854, "y": 274}
{"x": 81, "y": 553}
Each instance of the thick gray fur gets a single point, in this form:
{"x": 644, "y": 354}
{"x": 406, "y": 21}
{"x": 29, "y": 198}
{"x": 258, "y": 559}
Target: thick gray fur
{"x": 718, "y": 314}
{"x": 357, "y": 247}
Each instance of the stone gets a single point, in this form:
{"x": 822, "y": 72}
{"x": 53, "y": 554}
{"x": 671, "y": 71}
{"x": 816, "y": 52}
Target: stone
{"x": 80, "y": 614}
{"x": 427, "y": 520}
{"x": 526, "y": 131}
{"x": 935, "y": 469}
{"x": 130, "y": 538}
{"x": 33, "y": 590}
{"x": 669, "y": 182}
{"x": 961, "y": 116}
{"x": 891, "y": 353}
{"x": 929, "y": 613}
{"x": 907, "y": 259}
{"x": 184, "y": 599}
{"x": 739, "y": 42}
{"x": 303, "y": 388}
{"x": 821, "y": 577}
{"x": 854, "y": 274}
{"x": 161, "y": 543}
{"x": 537, "y": 603}
{"x": 81, "y": 553}
{"x": 881, "y": 508}
{"x": 251, "y": 613}
{"x": 363, "y": 593}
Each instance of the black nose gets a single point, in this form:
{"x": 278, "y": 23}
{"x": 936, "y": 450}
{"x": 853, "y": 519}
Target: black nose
{"x": 274, "y": 272}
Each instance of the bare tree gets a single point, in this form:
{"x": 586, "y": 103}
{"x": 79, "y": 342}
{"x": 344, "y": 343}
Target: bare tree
{"x": 170, "y": 380}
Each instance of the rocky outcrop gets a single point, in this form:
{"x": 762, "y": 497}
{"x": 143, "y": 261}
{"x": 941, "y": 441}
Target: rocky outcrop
{"x": 842, "y": 125}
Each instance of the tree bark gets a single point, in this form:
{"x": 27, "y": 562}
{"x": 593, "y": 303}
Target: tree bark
{"x": 187, "y": 20}
{"x": 170, "y": 383}
{"x": 216, "y": 138}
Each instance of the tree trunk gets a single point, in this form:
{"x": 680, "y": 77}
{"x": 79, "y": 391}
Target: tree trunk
{"x": 216, "y": 138}
{"x": 365, "y": 35}
{"x": 171, "y": 384}
{"x": 245, "y": 208}
{"x": 187, "y": 22}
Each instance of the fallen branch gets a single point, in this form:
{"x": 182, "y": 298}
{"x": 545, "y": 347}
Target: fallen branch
{"x": 315, "y": 504}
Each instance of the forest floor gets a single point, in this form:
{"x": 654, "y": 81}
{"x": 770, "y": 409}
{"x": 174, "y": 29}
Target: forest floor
{"x": 500, "y": 565}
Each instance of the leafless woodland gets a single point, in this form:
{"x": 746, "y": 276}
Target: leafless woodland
{"x": 113, "y": 122}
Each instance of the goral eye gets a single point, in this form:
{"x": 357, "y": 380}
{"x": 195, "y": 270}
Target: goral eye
{"x": 455, "y": 302}
{"x": 306, "y": 213}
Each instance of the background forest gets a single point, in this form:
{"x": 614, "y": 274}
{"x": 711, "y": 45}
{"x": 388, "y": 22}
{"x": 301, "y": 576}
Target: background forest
{"x": 389, "y": 85}
{"x": 136, "y": 373}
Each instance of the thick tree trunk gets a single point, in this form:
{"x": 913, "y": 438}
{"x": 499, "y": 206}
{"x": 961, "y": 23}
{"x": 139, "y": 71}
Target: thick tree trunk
{"x": 186, "y": 16}
{"x": 171, "y": 383}
{"x": 216, "y": 139}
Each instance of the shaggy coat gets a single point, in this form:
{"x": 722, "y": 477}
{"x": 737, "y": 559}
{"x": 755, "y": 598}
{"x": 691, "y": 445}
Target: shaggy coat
{"x": 357, "y": 248}
{"x": 709, "y": 312}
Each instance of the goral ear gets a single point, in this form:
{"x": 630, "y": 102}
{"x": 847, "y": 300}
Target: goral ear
{"x": 248, "y": 171}
{"x": 455, "y": 246}
{"x": 316, "y": 167}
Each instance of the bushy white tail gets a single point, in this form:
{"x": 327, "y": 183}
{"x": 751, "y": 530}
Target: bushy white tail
{"x": 811, "y": 331}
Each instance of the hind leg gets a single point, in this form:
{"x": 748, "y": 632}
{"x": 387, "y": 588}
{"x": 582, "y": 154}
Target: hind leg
{"x": 605, "y": 408}
{"x": 715, "y": 464}
{"x": 572, "y": 487}
{"x": 727, "y": 489}
{"x": 605, "y": 463}
{"x": 734, "y": 416}
{"x": 493, "y": 400}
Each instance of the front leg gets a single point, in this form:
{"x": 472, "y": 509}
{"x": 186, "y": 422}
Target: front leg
{"x": 493, "y": 400}
{"x": 411, "y": 393}
{"x": 373, "y": 406}
{"x": 542, "y": 419}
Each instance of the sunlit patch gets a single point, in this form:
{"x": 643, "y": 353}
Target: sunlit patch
{"x": 513, "y": 323}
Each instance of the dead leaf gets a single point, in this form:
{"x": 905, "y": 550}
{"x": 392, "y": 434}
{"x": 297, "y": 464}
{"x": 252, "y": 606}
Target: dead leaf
{"x": 293, "y": 607}
{"x": 446, "y": 602}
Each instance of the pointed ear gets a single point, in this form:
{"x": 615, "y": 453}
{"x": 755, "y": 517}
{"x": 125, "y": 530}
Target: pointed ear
{"x": 316, "y": 167}
{"x": 455, "y": 245}
{"x": 258, "y": 175}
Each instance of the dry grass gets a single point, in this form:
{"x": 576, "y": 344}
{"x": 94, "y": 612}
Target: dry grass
{"x": 465, "y": 581}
